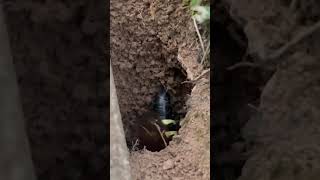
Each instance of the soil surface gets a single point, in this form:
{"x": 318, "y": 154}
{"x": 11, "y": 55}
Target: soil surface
{"x": 188, "y": 154}
{"x": 154, "y": 44}
{"x": 278, "y": 138}
{"x": 61, "y": 85}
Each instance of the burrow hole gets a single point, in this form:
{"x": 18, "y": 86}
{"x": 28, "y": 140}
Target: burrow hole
{"x": 145, "y": 129}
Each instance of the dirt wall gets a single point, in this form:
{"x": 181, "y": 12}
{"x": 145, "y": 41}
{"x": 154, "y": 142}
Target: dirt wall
{"x": 283, "y": 133}
{"x": 154, "y": 43}
{"x": 58, "y": 52}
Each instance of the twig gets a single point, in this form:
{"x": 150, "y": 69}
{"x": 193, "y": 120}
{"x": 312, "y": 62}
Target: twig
{"x": 158, "y": 128}
{"x": 293, "y": 5}
{"x": 242, "y": 64}
{"x": 191, "y": 44}
{"x": 134, "y": 147}
{"x": 198, "y": 77}
{"x": 253, "y": 107}
{"x": 145, "y": 129}
{"x": 199, "y": 35}
{"x": 295, "y": 40}
{"x": 205, "y": 53}
{"x": 278, "y": 53}
{"x": 202, "y": 74}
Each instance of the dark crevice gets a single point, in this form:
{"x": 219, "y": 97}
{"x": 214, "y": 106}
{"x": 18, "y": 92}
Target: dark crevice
{"x": 233, "y": 91}
{"x": 143, "y": 128}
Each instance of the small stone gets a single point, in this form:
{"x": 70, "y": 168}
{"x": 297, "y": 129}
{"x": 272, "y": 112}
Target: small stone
{"x": 135, "y": 90}
{"x": 168, "y": 164}
{"x": 177, "y": 178}
{"x": 144, "y": 89}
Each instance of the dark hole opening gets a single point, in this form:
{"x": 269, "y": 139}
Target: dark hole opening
{"x": 169, "y": 102}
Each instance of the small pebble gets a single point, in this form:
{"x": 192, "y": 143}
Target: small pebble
{"x": 168, "y": 164}
{"x": 177, "y": 178}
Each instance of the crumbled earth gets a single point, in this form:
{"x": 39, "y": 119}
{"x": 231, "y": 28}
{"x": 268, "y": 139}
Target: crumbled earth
{"x": 154, "y": 43}
{"x": 145, "y": 40}
{"x": 188, "y": 154}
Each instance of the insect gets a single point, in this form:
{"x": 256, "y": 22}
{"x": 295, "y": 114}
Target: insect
{"x": 166, "y": 115}
{"x": 162, "y": 104}
{"x": 160, "y": 117}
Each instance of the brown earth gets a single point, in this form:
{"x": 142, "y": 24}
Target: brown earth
{"x": 188, "y": 154}
{"x": 58, "y": 51}
{"x": 154, "y": 43}
{"x": 282, "y": 137}
{"x": 266, "y": 111}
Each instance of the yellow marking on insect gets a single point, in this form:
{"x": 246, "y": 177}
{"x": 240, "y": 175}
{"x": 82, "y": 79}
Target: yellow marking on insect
{"x": 168, "y": 121}
{"x": 170, "y": 133}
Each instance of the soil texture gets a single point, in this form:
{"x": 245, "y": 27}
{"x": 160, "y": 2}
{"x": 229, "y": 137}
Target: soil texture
{"x": 154, "y": 44}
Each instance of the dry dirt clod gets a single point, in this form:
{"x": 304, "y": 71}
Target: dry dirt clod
{"x": 168, "y": 164}
{"x": 177, "y": 178}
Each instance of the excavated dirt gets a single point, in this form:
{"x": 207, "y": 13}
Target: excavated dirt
{"x": 60, "y": 62}
{"x": 154, "y": 43}
{"x": 188, "y": 154}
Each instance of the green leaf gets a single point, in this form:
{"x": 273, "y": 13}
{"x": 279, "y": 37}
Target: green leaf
{"x": 186, "y": 2}
{"x": 202, "y": 13}
{"x": 168, "y": 134}
{"x": 168, "y": 121}
{"x": 195, "y": 3}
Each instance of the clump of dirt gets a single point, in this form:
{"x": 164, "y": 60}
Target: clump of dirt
{"x": 154, "y": 44}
